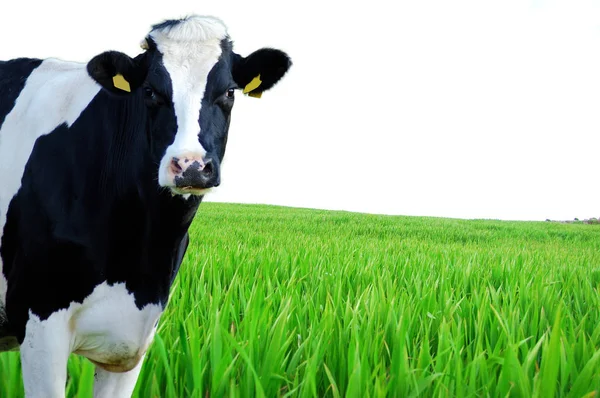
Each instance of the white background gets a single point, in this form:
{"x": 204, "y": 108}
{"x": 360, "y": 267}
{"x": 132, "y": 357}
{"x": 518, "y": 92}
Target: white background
{"x": 468, "y": 109}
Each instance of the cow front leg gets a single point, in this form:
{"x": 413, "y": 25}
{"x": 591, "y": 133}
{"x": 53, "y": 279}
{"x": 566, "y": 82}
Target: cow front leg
{"x": 116, "y": 385}
{"x": 44, "y": 355}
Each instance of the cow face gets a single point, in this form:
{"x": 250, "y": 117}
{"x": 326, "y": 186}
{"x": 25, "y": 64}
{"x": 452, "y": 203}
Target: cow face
{"x": 186, "y": 80}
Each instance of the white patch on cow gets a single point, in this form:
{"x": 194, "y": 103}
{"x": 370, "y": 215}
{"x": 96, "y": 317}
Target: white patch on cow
{"x": 56, "y": 92}
{"x": 110, "y": 330}
{"x": 190, "y": 50}
{"x": 106, "y": 328}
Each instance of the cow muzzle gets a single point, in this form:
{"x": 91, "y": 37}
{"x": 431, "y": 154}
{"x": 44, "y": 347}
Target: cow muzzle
{"x": 193, "y": 174}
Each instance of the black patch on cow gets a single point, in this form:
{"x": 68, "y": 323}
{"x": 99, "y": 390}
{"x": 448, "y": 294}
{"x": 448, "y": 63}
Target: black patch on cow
{"x": 158, "y": 96}
{"x": 215, "y": 113}
{"x": 13, "y": 75}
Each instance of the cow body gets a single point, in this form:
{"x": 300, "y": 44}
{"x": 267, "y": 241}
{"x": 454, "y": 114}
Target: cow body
{"x": 102, "y": 167}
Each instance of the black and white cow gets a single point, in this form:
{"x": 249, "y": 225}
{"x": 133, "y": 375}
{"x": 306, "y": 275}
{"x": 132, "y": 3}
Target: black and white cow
{"x": 102, "y": 168}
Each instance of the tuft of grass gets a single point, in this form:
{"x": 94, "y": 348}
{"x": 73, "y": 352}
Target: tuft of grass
{"x": 285, "y": 302}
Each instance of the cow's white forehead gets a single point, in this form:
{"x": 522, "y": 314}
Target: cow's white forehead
{"x": 189, "y": 43}
{"x": 190, "y": 29}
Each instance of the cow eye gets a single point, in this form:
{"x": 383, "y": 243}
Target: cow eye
{"x": 230, "y": 93}
{"x": 149, "y": 93}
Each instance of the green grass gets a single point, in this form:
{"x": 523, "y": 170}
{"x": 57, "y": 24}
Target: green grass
{"x": 275, "y": 301}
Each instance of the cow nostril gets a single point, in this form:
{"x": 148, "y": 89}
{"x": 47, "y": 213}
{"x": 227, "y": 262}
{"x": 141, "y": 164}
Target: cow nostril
{"x": 208, "y": 168}
{"x": 175, "y": 165}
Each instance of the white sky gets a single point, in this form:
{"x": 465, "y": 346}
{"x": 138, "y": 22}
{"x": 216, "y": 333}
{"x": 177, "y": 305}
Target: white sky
{"x": 468, "y": 109}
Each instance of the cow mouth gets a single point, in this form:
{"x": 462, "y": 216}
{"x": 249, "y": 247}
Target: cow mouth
{"x": 189, "y": 190}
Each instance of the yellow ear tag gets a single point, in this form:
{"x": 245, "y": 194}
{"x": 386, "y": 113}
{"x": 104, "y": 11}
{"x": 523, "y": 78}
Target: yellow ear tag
{"x": 255, "y": 95}
{"x": 252, "y": 85}
{"x": 120, "y": 83}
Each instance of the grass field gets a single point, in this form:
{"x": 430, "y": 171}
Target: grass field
{"x": 276, "y": 301}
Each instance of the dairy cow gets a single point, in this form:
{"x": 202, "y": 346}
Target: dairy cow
{"x": 102, "y": 168}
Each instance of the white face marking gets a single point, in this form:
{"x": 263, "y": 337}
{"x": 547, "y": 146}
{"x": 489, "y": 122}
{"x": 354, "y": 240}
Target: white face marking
{"x": 55, "y": 92}
{"x": 190, "y": 50}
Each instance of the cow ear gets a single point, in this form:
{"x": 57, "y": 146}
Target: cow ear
{"x": 117, "y": 72}
{"x": 260, "y": 71}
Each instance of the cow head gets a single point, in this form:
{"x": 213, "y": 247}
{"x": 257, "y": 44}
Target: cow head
{"x": 186, "y": 80}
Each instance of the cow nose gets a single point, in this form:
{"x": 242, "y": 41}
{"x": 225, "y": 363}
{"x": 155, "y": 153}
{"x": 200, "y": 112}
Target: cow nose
{"x": 194, "y": 172}
{"x": 181, "y": 165}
